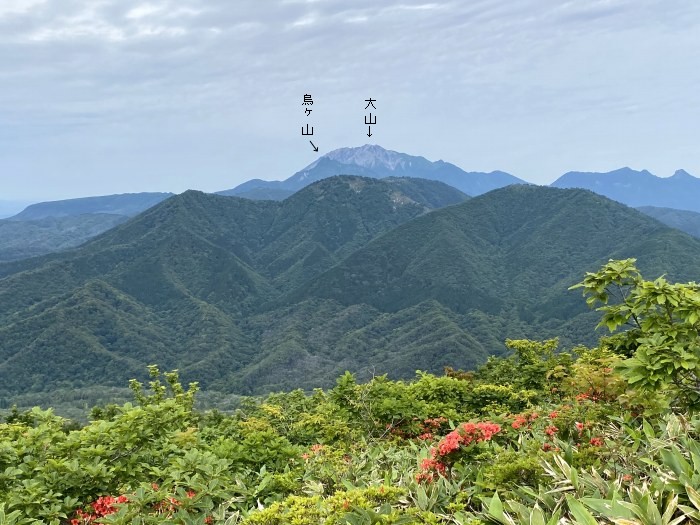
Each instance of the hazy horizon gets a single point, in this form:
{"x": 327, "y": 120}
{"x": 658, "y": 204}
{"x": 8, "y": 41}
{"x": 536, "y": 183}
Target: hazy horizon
{"x": 131, "y": 96}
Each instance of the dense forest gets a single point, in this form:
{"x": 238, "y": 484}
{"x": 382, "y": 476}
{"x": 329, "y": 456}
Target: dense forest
{"x": 543, "y": 435}
{"x": 350, "y": 273}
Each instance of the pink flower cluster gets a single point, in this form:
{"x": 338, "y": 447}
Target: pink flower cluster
{"x": 551, "y": 431}
{"x": 101, "y": 507}
{"x": 463, "y": 436}
{"x": 524, "y": 419}
{"x": 105, "y": 505}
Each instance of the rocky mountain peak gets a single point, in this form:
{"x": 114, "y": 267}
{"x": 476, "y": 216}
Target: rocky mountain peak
{"x": 370, "y": 156}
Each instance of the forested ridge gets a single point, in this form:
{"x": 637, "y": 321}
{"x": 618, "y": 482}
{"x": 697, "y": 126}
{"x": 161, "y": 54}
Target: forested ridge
{"x": 350, "y": 273}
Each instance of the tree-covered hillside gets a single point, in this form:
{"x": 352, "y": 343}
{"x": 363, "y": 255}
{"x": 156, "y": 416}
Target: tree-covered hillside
{"x": 31, "y": 238}
{"x": 174, "y": 284}
{"x": 348, "y": 274}
{"x": 49, "y": 227}
{"x": 684, "y": 220}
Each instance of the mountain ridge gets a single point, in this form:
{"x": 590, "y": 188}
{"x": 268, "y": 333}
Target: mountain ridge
{"x": 374, "y": 161}
{"x": 243, "y": 294}
{"x": 127, "y": 204}
{"x": 638, "y": 188}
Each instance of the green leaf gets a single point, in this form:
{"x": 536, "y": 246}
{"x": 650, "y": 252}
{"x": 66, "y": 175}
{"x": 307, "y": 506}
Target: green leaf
{"x": 610, "y": 508}
{"x": 582, "y": 516}
{"x": 537, "y": 517}
{"x": 495, "y": 510}
{"x": 693, "y": 496}
{"x": 421, "y": 498}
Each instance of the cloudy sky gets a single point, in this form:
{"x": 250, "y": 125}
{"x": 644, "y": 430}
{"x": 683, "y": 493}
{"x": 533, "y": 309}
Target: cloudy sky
{"x": 114, "y": 96}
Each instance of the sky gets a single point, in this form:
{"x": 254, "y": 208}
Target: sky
{"x": 116, "y": 96}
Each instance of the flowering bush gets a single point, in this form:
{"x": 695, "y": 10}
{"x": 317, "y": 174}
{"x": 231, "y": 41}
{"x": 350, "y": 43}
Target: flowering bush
{"x": 101, "y": 507}
{"x": 524, "y": 420}
{"x": 105, "y": 506}
{"x": 446, "y": 451}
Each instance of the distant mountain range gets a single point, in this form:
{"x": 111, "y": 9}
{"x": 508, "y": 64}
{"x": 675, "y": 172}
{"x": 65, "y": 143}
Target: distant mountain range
{"x": 49, "y": 227}
{"x": 127, "y": 204}
{"x": 53, "y": 226}
{"x": 377, "y": 162}
{"x": 348, "y": 273}
{"x": 639, "y": 188}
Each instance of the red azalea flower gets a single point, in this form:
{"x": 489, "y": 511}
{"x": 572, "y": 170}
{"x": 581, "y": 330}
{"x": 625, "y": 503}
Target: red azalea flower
{"x": 449, "y": 443}
{"x": 597, "y": 442}
{"x": 551, "y": 430}
{"x": 519, "y": 422}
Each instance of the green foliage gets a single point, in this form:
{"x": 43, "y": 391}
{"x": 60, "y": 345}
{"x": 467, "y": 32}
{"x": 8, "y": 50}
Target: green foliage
{"x": 362, "y": 453}
{"x": 186, "y": 399}
{"x": 594, "y": 374}
{"x": 663, "y": 340}
{"x": 359, "y": 506}
{"x": 509, "y": 470}
{"x": 534, "y": 366}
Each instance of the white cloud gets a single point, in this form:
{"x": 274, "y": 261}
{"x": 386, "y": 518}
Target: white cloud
{"x": 306, "y": 20}
{"x": 417, "y": 7}
{"x": 172, "y": 86}
{"x": 18, "y": 7}
{"x": 144, "y": 11}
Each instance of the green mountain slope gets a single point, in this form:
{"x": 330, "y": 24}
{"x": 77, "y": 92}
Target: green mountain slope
{"x": 23, "y": 239}
{"x": 500, "y": 265}
{"x": 317, "y": 227}
{"x": 687, "y": 221}
{"x": 518, "y": 245}
{"x": 311, "y": 342}
{"x": 349, "y": 273}
{"x": 49, "y": 227}
{"x": 448, "y": 288}
{"x": 174, "y": 284}
{"x": 260, "y": 194}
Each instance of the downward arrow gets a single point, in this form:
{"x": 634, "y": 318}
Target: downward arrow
{"x": 315, "y": 147}
{"x": 369, "y": 133}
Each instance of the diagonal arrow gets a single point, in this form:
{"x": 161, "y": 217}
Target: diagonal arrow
{"x": 369, "y": 133}
{"x": 315, "y": 147}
